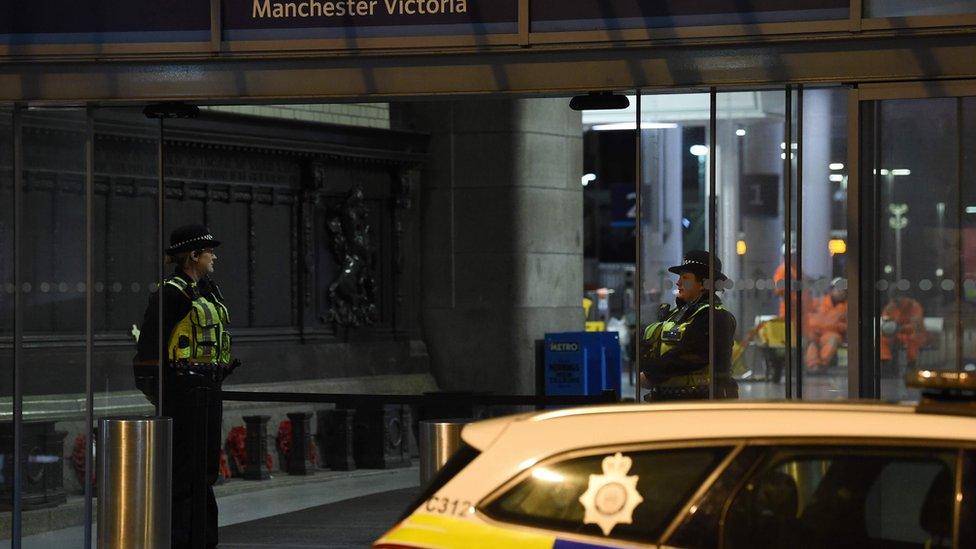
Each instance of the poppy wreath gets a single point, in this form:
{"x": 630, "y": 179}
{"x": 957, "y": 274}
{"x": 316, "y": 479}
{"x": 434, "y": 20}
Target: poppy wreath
{"x": 284, "y": 443}
{"x": 78, "y": 460}
{"x": 224, "y": 466}
{"x": 236, "y": 450}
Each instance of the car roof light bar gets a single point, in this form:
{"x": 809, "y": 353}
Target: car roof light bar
{"x": 944, "y": 391}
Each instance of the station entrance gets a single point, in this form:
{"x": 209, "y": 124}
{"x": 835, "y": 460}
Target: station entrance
{"x": 408, "y": 212}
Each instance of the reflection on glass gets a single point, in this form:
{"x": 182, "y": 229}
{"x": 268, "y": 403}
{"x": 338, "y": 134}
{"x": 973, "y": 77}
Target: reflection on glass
{"x": 6, "y": 318}
{"x": 908, "y": 8}
{"x": 53, "y": 365}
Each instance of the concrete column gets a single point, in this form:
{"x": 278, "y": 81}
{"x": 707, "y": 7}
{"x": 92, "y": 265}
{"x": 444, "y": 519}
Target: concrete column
{"x": 816, "y": 183}
{"x": 502, "y": 246}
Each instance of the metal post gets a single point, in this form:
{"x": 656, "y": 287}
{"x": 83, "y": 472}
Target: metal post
{"x": 160, "y": 246}
{"x": 712, "y": 236}
{"x": 787, "y": 233}
{"x": 18, "y": 401}
{"x": 960, "y": 271}
{"x": 89, "y": 314}
{"x": 854, "y": 282}
{"x": 638, "y": 243}
{"x": 439, "y": 440}
{"x": 134, "y": 476}
{"x": 799, "y": 240}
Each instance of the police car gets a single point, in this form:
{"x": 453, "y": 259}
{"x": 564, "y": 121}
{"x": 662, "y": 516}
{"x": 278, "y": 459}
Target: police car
{"x": 729, "y": 475}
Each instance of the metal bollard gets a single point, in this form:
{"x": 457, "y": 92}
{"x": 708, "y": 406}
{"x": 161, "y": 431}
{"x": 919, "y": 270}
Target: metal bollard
{"x": 438, "y": 442}
{"x": 134, "y": 474}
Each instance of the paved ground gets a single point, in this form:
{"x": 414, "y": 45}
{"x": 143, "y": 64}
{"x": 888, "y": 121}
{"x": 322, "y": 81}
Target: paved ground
{"x": 351, "y": 523}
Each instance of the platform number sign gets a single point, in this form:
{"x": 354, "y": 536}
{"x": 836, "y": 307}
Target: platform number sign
{"x": 759, "y": 195}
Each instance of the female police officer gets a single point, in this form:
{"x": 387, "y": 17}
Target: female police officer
{"x": 197, "y": 347}
{"x": 676, "y": 354}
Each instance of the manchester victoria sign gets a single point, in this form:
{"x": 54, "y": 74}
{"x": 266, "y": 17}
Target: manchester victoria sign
{"x": 353, "y": 8}
{"x": 348, "y": 19}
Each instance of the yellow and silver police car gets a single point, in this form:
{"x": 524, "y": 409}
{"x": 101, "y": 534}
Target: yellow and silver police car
{"x": 730, "y": 475}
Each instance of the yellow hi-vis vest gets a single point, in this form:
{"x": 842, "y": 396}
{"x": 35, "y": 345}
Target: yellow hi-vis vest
{"x": 201, "y": 336}
{"x": 666, "y": 334}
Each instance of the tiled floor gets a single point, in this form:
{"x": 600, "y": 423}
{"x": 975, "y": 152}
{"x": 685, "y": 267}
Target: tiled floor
{"x": 355, "y": 522}
{"x": 247, "y": 502}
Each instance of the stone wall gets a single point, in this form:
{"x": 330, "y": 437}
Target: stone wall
{"x": 502, "y": 213}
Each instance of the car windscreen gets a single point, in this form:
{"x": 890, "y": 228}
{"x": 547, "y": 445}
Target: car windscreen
{"x": 625, "y": 495}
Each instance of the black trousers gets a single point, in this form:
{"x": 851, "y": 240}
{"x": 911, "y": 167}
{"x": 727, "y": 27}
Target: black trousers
{"x": 196, "y": 409}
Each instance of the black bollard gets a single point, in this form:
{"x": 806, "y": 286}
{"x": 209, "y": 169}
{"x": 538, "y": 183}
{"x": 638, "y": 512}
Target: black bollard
{"x": 256, "y": 446}
{"x": 301, "y": 441}
{"x": 336, "y": 438}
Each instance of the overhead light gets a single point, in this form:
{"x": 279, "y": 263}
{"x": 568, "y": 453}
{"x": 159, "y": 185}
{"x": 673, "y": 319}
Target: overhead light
{"x": 901, "y": 171}
{"x": 971, "y": 209}
{"x": 740, "y": 247}
{"x": 740, "y": 132}
{"x": 588, "y": 178}
{"x": 782, "y": 146}
{"x": 836, "y": 166}
{"x": 782, "y": 156}
{"x": 633, "y": 126}
{"x": 698, "y": 150}
{"x": 837, "y": 246}
{"x": 836, "y": 177}
{"x": 599, "y": 101}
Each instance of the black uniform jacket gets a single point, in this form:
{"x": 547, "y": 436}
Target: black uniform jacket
{"x": 691, "y": 353}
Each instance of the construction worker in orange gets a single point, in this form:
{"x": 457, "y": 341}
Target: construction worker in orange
{"x": 827, "y": 326}
{"x": 902, "y": 323}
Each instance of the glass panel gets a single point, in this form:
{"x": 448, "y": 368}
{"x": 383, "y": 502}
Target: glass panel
{"x": 907, "y": 8}
{"x": 750, "y": 166}
{"x": 557, "y": 16}
{"x": 126, "y": 262}
{"x": 6, "y": 319}
{"x": 53, "y": 369}
{"x": 674, "y": 165}
{"x": 919, "y": 266}
{"x": 866, "y": 497}
{"x": 609, "y": 228}
{"x": 554, "y": 496}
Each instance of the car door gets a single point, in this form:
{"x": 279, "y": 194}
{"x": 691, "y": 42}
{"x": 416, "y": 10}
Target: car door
{"x": 838, "y": 494}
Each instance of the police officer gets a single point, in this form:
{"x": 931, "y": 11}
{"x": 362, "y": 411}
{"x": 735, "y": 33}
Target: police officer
{"x": 676, "y": 349}
{"x": 197, "y": 347}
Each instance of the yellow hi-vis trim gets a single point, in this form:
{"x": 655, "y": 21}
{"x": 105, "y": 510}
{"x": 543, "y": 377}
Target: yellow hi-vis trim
{"x": 441, "y": 532}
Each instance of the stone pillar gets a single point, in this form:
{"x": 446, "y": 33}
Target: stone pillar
{"x": 301, "y": 441}
{"x": 256, "y": 446}
{"x": 502, "y": 215}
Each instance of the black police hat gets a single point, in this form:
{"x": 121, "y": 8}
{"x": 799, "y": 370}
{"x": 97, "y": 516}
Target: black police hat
{"x": 190, "y": 237}
{"x": 696, "y": 261}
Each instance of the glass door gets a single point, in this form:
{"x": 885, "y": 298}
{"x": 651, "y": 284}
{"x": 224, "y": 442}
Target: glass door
{"x": 918, "y": 227}
{"x": 758, "y": 177}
